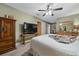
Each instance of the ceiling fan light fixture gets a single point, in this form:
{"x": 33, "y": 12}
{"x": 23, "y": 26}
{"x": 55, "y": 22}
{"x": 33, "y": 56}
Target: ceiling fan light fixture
{"x": 50, "y": 12}
{"x": 50, "y": 7}
{"x": 47, "y": 13}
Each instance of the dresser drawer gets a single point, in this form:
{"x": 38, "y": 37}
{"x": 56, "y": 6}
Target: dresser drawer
{"x": 5, "y": 42}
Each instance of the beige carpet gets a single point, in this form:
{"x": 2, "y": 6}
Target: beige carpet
{"x": 28, "y": 53}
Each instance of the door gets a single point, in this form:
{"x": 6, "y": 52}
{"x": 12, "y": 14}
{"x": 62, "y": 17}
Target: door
{"x": 39, "y": 28}
{"x": 7, "y": 29}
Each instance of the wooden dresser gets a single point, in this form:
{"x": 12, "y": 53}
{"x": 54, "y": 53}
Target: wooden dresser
{"x": 7, "y": 35}
{"x": 27, "y": 37}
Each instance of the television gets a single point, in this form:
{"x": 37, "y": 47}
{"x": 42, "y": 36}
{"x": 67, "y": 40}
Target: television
{"x": 29, "y": 28}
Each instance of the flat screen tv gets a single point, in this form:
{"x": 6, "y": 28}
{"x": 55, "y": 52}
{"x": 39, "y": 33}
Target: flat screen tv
{"x": 29, "y": 28}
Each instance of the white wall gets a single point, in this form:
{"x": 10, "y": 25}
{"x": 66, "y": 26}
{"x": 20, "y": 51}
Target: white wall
{"x": 48, "y": 27}
{"x": 43, "y": 27}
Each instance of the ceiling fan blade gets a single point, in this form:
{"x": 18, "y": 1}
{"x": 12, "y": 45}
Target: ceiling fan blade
{"x": 41, "y": 10}
{"x": 57, "y": 9}
{"x": 44, "y": 14}
{"x": 48, "y": 6}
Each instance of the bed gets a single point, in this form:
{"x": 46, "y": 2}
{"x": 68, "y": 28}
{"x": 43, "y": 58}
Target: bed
{"x": 45, "y": 46}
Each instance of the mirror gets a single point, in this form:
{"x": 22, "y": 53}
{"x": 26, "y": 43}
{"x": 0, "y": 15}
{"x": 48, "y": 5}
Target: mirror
{"x": 66, "y": 26}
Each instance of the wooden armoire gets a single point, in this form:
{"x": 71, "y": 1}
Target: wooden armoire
{"x": 7, "y": 35}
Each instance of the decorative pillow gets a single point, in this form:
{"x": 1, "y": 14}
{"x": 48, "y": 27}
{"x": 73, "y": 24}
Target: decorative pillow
{"x": 72, "y": 38}
{"x": 68, "y": 38}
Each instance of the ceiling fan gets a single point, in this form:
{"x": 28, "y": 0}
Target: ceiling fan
{"x": 49, "y": 10}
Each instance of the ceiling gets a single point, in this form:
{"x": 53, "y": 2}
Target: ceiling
{"x": 32, "y": 9}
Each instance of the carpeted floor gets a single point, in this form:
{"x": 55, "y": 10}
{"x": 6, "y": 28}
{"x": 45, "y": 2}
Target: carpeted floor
{"x": 28, "y": 53}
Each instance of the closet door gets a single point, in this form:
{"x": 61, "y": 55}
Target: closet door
{"x": 7, "y": 29}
